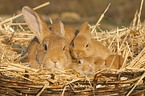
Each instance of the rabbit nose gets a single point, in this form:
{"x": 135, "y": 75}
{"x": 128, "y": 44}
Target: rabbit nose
{"x": 55, "y": 64}
{"x": 78, "y": 55}
{"x": 55, "y": 61}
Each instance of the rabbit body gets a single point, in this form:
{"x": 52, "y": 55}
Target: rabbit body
{"x": 114, "y": 61}
{"x": 49, "y": 49}
{"x": 31, "y": 53}
{"x": 91, "y": 52}
{"x": 70, "y": 32}
{"x": 85, "y": 46}
{"x": 87, "y": 66}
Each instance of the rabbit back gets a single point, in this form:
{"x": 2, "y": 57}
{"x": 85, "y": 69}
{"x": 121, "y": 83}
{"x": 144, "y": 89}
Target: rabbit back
{"x": 114, "y": 61}
{"x": 101, "y": 51}
{"x": 31, "y": 53}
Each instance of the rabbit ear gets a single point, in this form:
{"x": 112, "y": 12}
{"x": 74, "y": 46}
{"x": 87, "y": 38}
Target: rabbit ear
{"x": 85, "y": 29}
{"x": 58, "y": 26}
{"x": 36, "y": 23}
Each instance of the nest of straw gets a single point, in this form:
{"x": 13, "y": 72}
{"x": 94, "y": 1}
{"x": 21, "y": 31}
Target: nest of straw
{"x": 17, "y": 78}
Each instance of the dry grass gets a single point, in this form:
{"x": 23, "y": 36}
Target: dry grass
{"x": 127, "y": 41}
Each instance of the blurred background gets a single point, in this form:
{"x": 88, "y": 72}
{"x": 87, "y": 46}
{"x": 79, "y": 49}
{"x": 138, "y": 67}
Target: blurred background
{"x": 75, "y": 12}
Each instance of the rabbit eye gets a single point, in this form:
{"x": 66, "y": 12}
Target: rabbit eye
{"x": 45, "y": 47}
{"x": 72, "y": 44}
{"x": 64, "y": 48}
{"x": 79, "y": 62}
{"x": 50, "y": 28}
{"x": 87, "y": 45}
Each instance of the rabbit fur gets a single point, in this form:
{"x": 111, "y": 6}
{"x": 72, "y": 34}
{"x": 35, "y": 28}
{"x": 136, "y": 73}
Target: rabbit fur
{"x": 91, "y": 52}
{"x": 84, "y": 46}
{"x": 49, "y": 49}
{"x": 86, "y": 65}
{"x": 70, "y": 32}
{"x": 114, "y": 61}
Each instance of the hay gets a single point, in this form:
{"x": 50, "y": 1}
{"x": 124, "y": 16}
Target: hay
{"x": 127, "y": 41}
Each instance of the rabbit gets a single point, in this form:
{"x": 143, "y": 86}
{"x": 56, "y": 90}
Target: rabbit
{"x": 114, "y": 61}
{"x": 85, "y": 46}
{"x": 86, "y": 65}
{"x": 70, "y": 32}
{"x": 48, "y": 49}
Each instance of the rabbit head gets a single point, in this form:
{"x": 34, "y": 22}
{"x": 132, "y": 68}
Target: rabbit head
{"x": 88, "y": 65}
{"x": 84, "y": 66}
{"x": 70, "y": 32}
{"x": 51, "y": 50}
{"x": 85, "y": 46}
{"x": 82, "y": 45}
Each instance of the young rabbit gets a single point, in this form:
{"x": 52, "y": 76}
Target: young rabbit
{"x": 83, "y": 66}
{"x": 114, "y": 61}
{"x": 70, "y": 32}
{"x": 48, "y": 49}
{"x": 87, "y": 66}
{"x": 85, "y": 46}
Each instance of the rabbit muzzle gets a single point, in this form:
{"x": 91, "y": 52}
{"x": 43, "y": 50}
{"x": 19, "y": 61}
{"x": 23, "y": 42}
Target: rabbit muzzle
{"x": 54, "y": 62}
{"x": 78, "y": 54}
{"x": 88, "y": 67}
{"x": 88, "y": 70}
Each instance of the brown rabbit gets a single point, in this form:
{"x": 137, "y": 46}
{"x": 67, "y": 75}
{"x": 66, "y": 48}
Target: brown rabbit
{"x": 48, "y": 49}
{"x": 87, "y": 66}
{"x": 70, "y": 32}
{"x": 114, "y": 61}
{"x": 85, "y": 46}
{"x": 84, "y": 66}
